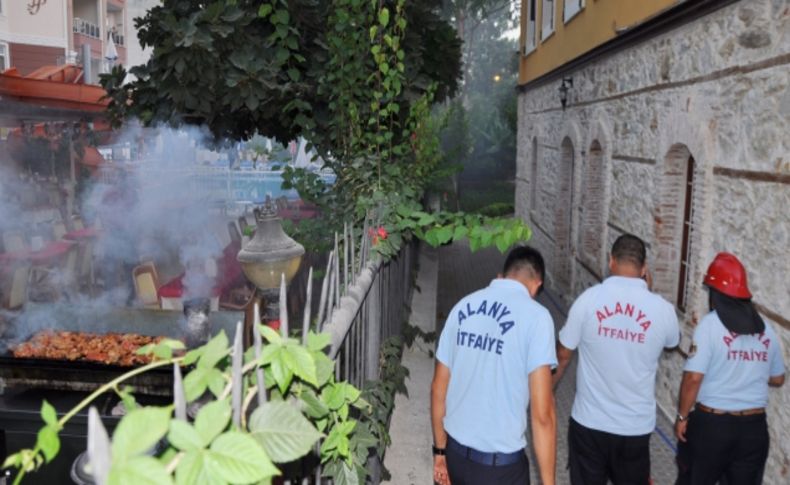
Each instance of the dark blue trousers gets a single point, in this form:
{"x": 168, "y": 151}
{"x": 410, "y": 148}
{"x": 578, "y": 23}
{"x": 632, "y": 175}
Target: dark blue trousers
{"x": 467, "y": 472}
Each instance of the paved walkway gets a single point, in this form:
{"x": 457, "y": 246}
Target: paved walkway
{"x": 459, "y": 273}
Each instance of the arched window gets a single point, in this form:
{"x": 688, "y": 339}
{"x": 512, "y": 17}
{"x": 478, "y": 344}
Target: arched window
{"x": 593, "y": 222}
{"x": 675, "y": 229}
{"x": 563, "y": 218}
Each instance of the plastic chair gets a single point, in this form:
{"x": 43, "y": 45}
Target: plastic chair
{"x": 233, "y": 230}
{"x": 17, "y": 293}
{"x": 243, "y": 224}
{"x": 146, "y": 285}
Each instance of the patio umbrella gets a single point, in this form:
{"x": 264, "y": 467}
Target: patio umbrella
{"x": 111, "y": 53}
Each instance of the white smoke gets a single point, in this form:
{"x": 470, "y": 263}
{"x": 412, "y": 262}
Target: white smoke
{"x": 158, "y": 212}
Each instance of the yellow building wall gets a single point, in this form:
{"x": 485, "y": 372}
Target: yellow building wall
{"x": 597, "y": 23}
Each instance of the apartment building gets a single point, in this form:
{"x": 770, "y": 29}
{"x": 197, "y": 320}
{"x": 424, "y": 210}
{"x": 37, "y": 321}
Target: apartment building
{"x": 35, "y": 33}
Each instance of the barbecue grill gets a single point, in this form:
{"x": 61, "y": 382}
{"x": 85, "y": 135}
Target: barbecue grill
{"x": 34, "y": 373}
{"x": 25, "y": 382}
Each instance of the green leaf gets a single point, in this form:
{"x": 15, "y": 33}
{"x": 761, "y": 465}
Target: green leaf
{"x": 145, "y": 349}
{"x": 474, "y": 244}
{"x": 342, "y": 474}
{"x": 264, "y": 10}
{"x": 283, "y": 432}
{"x": 343, "y": 411}
{"x": 301, "y": 362}
{"x": 184, "y": 437}
{"x": 502, "y": 244}
{"x": 324, "y": 368}
{"x": 195, "y": 383}
{"x": 318, "y": 341}
{"x": 216, "y": 382}
{"x": 48, "y": 441}
{"x": 333, "y": 396}
{"x": 237, "y": 458}
{"x": 281, "y": 55}
{"x": 48, "y": 414}
{"x": 139, "y": 431}
{"x": 142, "y": 470}
{"x": 282, "y": 373}
{"x": 444, "y": 234}
{"x": 191, "y": 470}
{"x": 460, "y": 233}
{"x": 313, "y": 406}
{"x": 384, "y": 17}
{"x": 350, "y": 392}
{"x": 192, "y": 356}
{"x": 129, "y": 403}
{"x": 214, "y": 351}
{"x": 270, "y": 334}
{"x": 281, "y": 16}
{"x": 212, "y": 419}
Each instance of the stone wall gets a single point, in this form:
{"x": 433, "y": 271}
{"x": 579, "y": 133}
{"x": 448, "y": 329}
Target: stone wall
{"x": 716, "y": 90}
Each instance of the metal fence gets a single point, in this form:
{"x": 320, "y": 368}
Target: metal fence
{"x": 366, "y": 303}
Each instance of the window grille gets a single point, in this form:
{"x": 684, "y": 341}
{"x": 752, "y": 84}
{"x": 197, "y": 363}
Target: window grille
{"x": 684, "y": 272}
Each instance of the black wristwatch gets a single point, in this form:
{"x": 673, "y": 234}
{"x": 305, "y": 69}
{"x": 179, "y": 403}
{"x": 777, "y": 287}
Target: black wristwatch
{"x": 438, "y": 451}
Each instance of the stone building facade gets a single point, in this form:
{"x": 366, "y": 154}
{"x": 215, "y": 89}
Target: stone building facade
{"x": 681, "y": 137}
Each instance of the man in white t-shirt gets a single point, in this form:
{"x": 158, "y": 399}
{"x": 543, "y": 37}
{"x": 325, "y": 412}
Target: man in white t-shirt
{"x": 494, "y": 359}
{"x": 620, "y": 329}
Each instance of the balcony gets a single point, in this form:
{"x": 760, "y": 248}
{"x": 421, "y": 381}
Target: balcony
{"x": 117, "y": 38}
{"x": 88, "y": 29}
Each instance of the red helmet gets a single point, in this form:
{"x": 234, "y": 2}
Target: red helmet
{"x": 727, "y": 275}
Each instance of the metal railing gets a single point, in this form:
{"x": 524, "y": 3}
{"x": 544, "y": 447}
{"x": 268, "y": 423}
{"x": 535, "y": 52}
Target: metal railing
{"x": 84, "y": 27}
{"x": 117, "y": 38}
{"x": 365, "y": 303}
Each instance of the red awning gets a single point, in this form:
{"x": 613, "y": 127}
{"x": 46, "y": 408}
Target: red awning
{"x": 54, "y": 87}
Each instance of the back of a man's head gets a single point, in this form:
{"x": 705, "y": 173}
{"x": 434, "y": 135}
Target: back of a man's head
{"x": 629, "y": 250}
{"x": 526, "y": 259}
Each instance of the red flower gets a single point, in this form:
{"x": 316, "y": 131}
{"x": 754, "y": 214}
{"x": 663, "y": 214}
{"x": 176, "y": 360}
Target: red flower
{"x": 375, "y": 240}
{"x": 273, "y": 324}
{"x": 382, "y": 233}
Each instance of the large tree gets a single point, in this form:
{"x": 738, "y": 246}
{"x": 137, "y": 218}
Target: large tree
{"x": 270, "y": 67}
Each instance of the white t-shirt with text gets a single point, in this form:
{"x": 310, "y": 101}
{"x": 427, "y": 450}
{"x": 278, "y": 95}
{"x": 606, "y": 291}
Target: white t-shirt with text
{"x": 492, "y": 340}
{"x": 736, "y": 367}
{"x": 620, "y": 329}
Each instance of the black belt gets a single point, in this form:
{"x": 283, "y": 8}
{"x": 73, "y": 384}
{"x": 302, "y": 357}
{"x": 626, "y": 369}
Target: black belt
{"x": 483, "y": 458}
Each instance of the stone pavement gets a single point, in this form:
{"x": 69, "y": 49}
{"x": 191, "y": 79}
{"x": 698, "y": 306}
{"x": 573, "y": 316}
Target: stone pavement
{"x": 409, "y": 459}
{"x": 460, "y": 272}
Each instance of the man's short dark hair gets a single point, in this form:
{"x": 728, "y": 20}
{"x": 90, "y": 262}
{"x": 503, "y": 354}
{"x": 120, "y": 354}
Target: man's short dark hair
{"x": 629, "y": 249}
{"x": 525, "y": 257}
